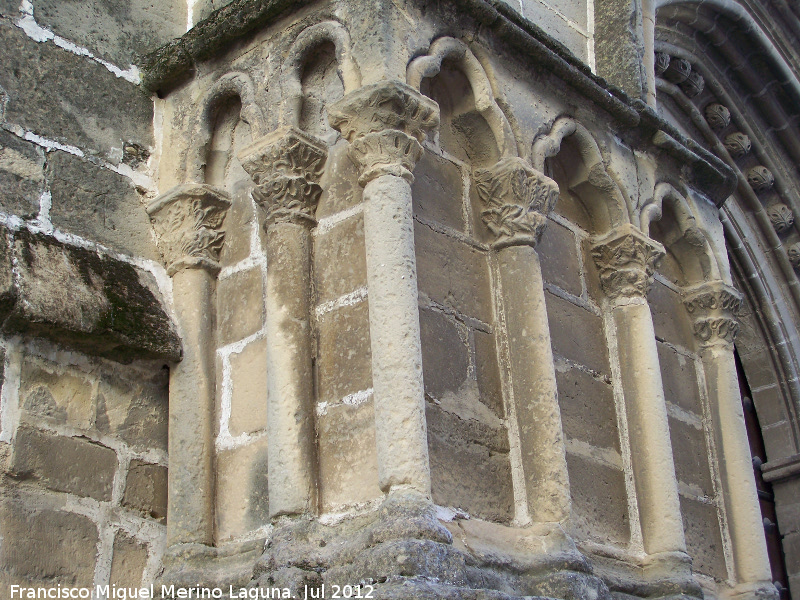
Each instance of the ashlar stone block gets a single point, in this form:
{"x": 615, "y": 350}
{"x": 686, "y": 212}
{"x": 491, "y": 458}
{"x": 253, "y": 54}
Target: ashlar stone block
{"x": 249, "y": 389}
{"x": 577, "y": 334}
{"x": 128, "y": 562}
{"x": 146, "y": 489}
{"x": 242, "y": 497}
{"x": 21, "y": 175}
{"x": 240, "y": 305}
{"x": 345, "y": 358}
{"x": 66, "y": 397}
{"x": 437, "y": 191}
{"x": 599, "y": 500}
{"x": 588, "y": 411}
{"x": 340, "y": 264}
{"x": 703, "y": 538}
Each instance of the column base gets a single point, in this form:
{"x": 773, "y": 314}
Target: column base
{"x": 760, "y": 590}
{"x": 207, "y": 567}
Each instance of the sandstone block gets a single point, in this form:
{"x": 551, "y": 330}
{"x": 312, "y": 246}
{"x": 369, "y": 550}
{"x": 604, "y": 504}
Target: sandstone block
{"x": 452, "y": 273}
{"x": 21, "y": 175}
{"x": 679, "y": 378}
{"x": 778, "y": 440}
{"x": 588, "y": 411}
{"x": 703, "y": 539}
{"x": 340, "y": 265}
{"x": 340, "y": 189}
{"x": 65, "y": 398}
{"x": 240, "y": 305}
{"x": 691, "y": 456}
{"x": 347, "y": 458}
{"x": 64, "y": 464}
{"x": 345, "y": 357}
{"x": 54, "y": 101}
{"x": 558, "y": 256}
{"x": 249, "y": 397}
{"x": 670, "y": 320}
{"x": 242, "y": 490}
{"x": 128, "y": 562}
{"x": 488, "y": 372}
{"x": 46, "y": 546}
{"x": 599, "y": 500}
{"x": 445, "y": 356}
{"x": 239, "y": 221}
{"x": 146, "y": 489}
{"x": 437, "y": 191}
{"x": 577, "y": 334}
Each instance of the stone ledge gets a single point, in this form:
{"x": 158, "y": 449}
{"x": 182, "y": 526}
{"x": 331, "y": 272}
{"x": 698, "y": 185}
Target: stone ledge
{"x": 782, "y": 469}
{"x": 81, "y": 299}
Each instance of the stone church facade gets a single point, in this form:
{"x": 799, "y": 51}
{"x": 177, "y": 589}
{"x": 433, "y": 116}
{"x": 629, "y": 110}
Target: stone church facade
{"x": 458, "y": 299}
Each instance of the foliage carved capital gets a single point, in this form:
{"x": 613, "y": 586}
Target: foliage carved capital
{"x": 188, "y": 222}
{"x": 385, "y": 123}
{"x": 516, "y": 199}
{"x": 286, "y": 167}
{"x": 713, "y": 307}
{"x": 626, "y": 260}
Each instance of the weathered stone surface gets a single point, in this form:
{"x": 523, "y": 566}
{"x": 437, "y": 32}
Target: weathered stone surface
{"x": 242, "y": 498}
{"x": 340, "y": 189}
{"x": 21, "y": 175}
{"x": 64, "y": 464}
{"x": 128, "y": 561}
{"x": 66, "y": 397}
{"x": 587, "y": 406}
{"x": 679, "y": 378}
{"x": 445, "y": 356}
{"x": 577, "y": 334}
{"x": 80, "y": 298}
{"x": 45, "y": 546}
{"x": 669, "y": 321}
{"x": 437, "y": 191}
{"x": 470, "y": 466}
{"x": 249, "y": 389}
{"x": 345, "y": 359}
{"x": 99, "y": 205}
{"x": 703, "y": 541}
{"x": 54, "y": 101}
{"x": 240, "y": 305}
{"x": 690, "y": 455}
{"x": 347, "y": 461}
{"x": 778, "y": 440}
{"x": 146, "y": 489}
{"x": 599, "y": 500}
{"x": 135, "y": 411}
{"x": 116, "y": 31}
{"x": 239, "y": 221}
{"x": 488, "y": 372}
{"x": 452, "y": 273}
{"x": 559, "y": 258}
{"x": 769, "y": 404}
{"x": 340, "y": 265}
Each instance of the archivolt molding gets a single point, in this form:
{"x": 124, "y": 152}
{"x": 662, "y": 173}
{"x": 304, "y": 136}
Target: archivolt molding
{"x": 231, "y": 85}
{"x": 292, "y": 69}
{"x": 447, "y": 48}
{"x": 596, "y": 175}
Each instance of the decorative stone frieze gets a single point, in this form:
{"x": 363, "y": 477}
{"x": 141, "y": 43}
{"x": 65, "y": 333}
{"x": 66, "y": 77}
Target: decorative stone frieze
{"x": 693, "y": 85}
{"x": 188, "y": 222}
{"x": 517, "y": 200}
{"x": 662, "y": 62}
{"x": 385, "y": 124}
{"x": 713, "y": 307}
{"x": 626, "y": 260}
{"x": 737, "y": 144}
{"x": 718, "y": 116}
{"x": 781, "y": 217}
{"x": 760, "y": 178}
{"x": 678, "y": 70}
{"x": 286, "y": 166}
{"x": 794, "y": 255}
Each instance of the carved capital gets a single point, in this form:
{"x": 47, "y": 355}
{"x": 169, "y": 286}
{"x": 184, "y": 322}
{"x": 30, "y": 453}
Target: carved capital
{"x": 385, "y": 123}
{"x": 286, "y": 166}
{"x": 626, "y": 260}
{"x": 713, "y": 307}
{"x": 188, "y": 222}
{"x": 517, "y": 199}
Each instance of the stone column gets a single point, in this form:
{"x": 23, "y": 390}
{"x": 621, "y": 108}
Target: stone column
{"x": 385, "y": 124}
{"x": 517, "y": 200}
{"x": 286, "y": 166}
{"x": 626, "y": 260}
{"x": 188, "y": 222}
{"x": 713, "y": 307}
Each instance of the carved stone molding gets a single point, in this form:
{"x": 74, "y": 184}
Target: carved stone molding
{"x": 781, "y": 217}
{"x": 713, "y": 307}
{"x": 678, "y": 70}
{"x": 626, "y": 260}
{"x": 385, "y": 123}
{"x": 794, "y": 255}
{"x": 286, "y": 166}
{"x": 718, "y": 116}
{"x": 188, "y": 222}
{"x": 517, "y": 199}
{"x": 737, "y": 144}
{"x": 662, "y": 62}
{"x": 760, "y": 178}
{"x": 693, "y": 85}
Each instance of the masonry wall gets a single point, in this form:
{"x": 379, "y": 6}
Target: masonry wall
{"x": 83, "y": 440}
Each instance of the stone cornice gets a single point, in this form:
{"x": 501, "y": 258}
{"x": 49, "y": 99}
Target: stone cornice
{"x": 286, "y": 166}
